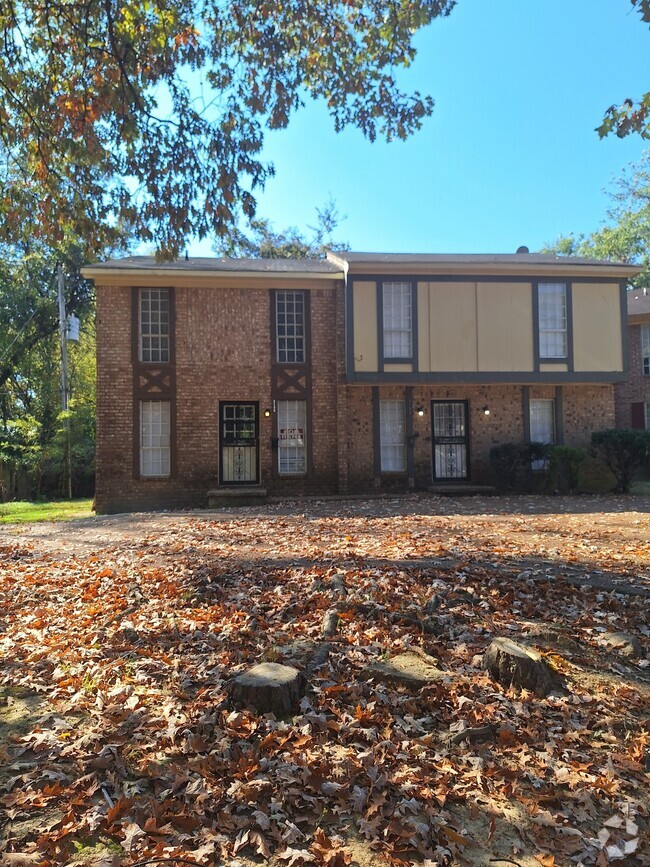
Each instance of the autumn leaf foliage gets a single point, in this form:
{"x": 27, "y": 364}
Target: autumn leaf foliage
{"x": 149, "y": 117}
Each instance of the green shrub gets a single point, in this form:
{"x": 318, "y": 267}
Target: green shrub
{"x": 624, "y": 451}
{"x": 513, "y": 465}
{"x": 564, "y": 467}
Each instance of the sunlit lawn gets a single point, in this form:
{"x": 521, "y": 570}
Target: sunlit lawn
{"x": 57, "y": 510}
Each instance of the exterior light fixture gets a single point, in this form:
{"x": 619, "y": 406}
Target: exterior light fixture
{"x": 267, "y": 413}
{"x": 420, "y": 411}
{"x": 486, "y": 410}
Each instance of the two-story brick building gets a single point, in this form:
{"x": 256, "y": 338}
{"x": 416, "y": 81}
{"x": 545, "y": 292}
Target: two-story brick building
{"x": 351, "y": 373}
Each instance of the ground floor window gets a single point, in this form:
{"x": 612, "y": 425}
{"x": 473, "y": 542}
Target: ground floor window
{"x": 647, "y": 416}
{"x": 392, "y": 436}
{"x": 155, "y": 452}
{"x": 542, "y": 426}
{"x": 292, "y": 439}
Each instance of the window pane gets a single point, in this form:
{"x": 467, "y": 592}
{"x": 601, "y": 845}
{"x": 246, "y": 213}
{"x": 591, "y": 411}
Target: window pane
{"x": 647, "y": 416}
{"x": 398, "y": 325}
{"x": 155, "y": 437}
{"x": 542, "y": 421}
{"x": 290, "y": 327}
{"x": 292, "y": 440}
{"x": 645, "y": 348}
{"x": 154, "y": 325}
{"x": 392, "y": 436}
{"x": 552, "y": 320}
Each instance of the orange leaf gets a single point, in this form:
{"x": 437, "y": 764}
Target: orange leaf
{"x": 546, "y": 860}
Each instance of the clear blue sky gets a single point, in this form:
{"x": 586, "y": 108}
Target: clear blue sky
{"x": 510, "y": 155}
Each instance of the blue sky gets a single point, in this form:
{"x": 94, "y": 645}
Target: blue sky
{"x": 510, "y": 155}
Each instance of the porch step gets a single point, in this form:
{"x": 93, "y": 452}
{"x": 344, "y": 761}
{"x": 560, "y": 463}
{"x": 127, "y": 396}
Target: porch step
{"x": 246, "y": 495}
{"x": 461, "y": 490}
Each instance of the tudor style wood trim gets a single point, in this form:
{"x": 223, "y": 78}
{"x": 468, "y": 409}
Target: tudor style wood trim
{"x": 292, "y": 382}
{"x": 153, "y": 381}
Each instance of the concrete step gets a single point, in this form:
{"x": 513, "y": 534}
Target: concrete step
{"x": 244, "y": 495}
{"x": 461, "y": 489}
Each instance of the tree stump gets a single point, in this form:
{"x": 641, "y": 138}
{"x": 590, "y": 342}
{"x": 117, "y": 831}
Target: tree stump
{"x": 513, "y": 664}
{"x": 268, "y": 688}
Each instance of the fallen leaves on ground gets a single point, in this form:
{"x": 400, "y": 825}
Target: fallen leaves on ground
{"x": 120, "y": 639}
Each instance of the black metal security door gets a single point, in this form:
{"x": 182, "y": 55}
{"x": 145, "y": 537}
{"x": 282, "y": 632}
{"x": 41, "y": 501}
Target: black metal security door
{"x": 239, "y": 427}
{"x": 450, "y": 439}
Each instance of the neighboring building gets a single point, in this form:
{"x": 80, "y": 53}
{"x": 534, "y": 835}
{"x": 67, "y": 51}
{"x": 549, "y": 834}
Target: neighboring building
{"x": 633, "y": 395}
{"x": 351, "y": 373}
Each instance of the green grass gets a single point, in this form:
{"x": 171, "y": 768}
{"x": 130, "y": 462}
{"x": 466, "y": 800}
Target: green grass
{"x": 57, "y": 510}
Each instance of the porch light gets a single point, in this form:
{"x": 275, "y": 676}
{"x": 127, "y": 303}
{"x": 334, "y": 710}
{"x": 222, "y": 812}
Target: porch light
{"x": 267, "y": 413}
{"x": 486, "y": 410}
{"x": 420, "y": 411}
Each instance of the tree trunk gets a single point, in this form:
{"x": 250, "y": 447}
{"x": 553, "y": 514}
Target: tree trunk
{"x": 513, "y": 664}
{"x": 268, "y": 688}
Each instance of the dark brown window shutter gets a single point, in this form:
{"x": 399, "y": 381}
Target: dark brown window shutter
{"x": 638, "y": 416}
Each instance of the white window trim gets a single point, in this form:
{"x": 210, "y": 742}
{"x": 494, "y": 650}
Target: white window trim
{"x": 553, "y": 321}
{"x": 160, "y": 353}
{"x": 292, "y": 449}
{"x": 397, "y": 298}
{"x": 298, "y": 338}
{"x": 645, "y": 349}
{"x": 155, "y": 441}
{"x": 392, "y": 436}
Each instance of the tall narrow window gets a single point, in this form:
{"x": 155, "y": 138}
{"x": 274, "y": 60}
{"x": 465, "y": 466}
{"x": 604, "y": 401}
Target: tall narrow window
{"x": 154, "y": 325}
{"x": 290, "y": 327}
{"x": 552, "y": 306}
{"x": 392, "y": 436}
{"x": 398, "y": 320}
{"x": 645, "y": 348}
{"x": 542, "y": 426}
{"x": 292, "y": 439}
{"x": 647, "y": 416}
{"x": 155, "y": 437}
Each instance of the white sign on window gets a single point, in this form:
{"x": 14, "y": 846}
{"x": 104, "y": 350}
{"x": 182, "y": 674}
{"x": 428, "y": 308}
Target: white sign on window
{"x": 292, "y": 436}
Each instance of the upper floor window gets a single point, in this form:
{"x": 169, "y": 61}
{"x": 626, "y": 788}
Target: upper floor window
{"x": 645, "y": 348}
{"x": 552, "y": 308}
{"x": 290, "y": 327}
{"x": 154, "y": 325}
{"x": 398, "y": 320}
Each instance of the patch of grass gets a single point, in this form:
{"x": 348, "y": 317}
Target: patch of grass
{"x": 57, "y": 510}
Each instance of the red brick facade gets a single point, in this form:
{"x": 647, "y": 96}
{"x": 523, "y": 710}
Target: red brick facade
{"x": 223, "y": 350}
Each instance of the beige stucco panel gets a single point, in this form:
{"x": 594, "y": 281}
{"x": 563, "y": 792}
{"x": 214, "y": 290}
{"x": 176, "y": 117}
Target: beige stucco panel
{"x": 398, "y": 368}
{"x": 452, "y": 326}
{"x": 424, "y": 344}
{"x": 553, "y": 368}
{"x": 597, "y": 336}
{"x": 505, "y": 326}
{"x": 364, "y": 304}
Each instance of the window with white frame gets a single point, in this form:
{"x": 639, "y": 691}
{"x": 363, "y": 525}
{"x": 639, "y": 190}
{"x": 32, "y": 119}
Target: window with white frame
{"x": 392, "y": 436}
{"x": 542, "y": 426}
{"x": 155, "y": 452}
{"x": 552, "y": 309}
{"x": 154, "y": 325}
{"x": 398, "y": 320}
{"x": 292, "y": 437}
{"x": 290, "y": 327}
{"x": 645, "y": 348}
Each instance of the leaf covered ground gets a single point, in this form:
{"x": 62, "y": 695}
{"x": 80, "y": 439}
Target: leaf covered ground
{"x": 119, "y": 635}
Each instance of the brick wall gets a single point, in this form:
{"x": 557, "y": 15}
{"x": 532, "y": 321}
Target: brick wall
{"x": 586, "y": 408}
{"x": 223, "y": 352}
{"x": 636, "y": 387}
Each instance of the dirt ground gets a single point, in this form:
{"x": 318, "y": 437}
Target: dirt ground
{"x": 163, "y": 598}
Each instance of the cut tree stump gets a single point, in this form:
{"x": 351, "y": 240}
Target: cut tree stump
{"x": 268, "y": 688}
{"x": 513, "y": 664}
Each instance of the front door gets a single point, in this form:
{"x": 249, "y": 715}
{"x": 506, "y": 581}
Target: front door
{"x": 450, "y": 440}
{"x": 239, "y": 427}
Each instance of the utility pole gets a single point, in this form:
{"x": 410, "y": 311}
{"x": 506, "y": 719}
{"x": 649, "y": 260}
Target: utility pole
{"x": 63, "y": 332}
